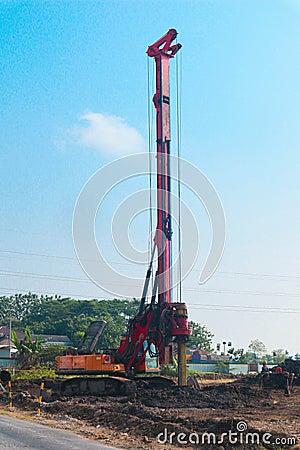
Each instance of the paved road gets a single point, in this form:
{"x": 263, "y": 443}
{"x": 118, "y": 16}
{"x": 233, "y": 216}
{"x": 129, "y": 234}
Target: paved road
{"x": 20, "y": 434}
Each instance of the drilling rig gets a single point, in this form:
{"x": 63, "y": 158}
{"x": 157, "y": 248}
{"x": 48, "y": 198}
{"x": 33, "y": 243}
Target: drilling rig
{"x": 160, "y": 323}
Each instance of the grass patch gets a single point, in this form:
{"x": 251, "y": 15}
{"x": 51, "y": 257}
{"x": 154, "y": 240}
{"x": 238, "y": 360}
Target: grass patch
{"x": 34, "y": 373}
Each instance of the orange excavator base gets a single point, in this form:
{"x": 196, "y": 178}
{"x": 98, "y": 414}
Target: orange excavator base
{"x": 87, "y": 364}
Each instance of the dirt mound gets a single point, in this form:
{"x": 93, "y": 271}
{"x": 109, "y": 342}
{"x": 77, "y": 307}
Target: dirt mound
{"x": 136, "y": 423}
{"x": 222, "y": 396}
{"x": 166, "y": 417}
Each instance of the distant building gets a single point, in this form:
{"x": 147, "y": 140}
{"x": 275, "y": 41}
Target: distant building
{"x": 4, "y": 333}
{"x": 198, "y": 355}
{"x": 54, "y": 339}
{"x": 8, "y": 349}
{"x": 47, "y": 339}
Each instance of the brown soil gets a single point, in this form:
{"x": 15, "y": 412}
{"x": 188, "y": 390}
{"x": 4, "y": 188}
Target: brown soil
{"x": 135, "y": 423}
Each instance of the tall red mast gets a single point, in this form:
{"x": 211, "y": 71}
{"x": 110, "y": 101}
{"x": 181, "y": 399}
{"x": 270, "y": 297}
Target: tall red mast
{"x": 163, "y": 51}
{"x": 162, "y": 322}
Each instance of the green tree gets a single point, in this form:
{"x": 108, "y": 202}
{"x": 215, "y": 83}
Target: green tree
{"x": 238, "y": 355}
{"x": 46, "y": 356}
{"x": 28, "y": 348}
{"x": 279, "y": 355}
{"x": 201, "y": 337}
{"x": 257, "y": 348}
{"x": 72, "y": 317}
{"x": 269, "y": 357}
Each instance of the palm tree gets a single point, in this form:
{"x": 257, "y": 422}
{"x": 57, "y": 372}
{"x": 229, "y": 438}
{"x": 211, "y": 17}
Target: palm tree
{"x": 28, "y": 348}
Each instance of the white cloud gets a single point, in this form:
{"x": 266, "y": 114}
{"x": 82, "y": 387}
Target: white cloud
{"x": 110, "y": 135}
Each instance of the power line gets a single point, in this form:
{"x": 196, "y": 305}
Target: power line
{"x": 38, "y": 254}
{"x": 264, "y": 275}
{"x": 83, "y": 296}
{"x": 243, "y": 310}
{"x": 189, "y": 289}
{"x": 259, "y": 293}
{"x": 68, "y": 258}
{"x": 76, "y": 279}
{"x": 206, "y": 307}
{"x": 44, "y": 276}
{"x": 245, "y": 307}
{"x": 53, "y": 277}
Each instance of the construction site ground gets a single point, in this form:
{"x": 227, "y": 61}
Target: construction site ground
{"x": 172, "y": 417}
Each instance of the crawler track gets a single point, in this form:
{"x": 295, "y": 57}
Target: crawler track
{"x": 97, "y": 386}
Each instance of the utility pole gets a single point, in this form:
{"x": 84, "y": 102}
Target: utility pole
{"x": 9, "y": 338}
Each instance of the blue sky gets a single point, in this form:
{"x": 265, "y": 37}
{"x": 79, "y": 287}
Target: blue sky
{"x": 65, "y": 61}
